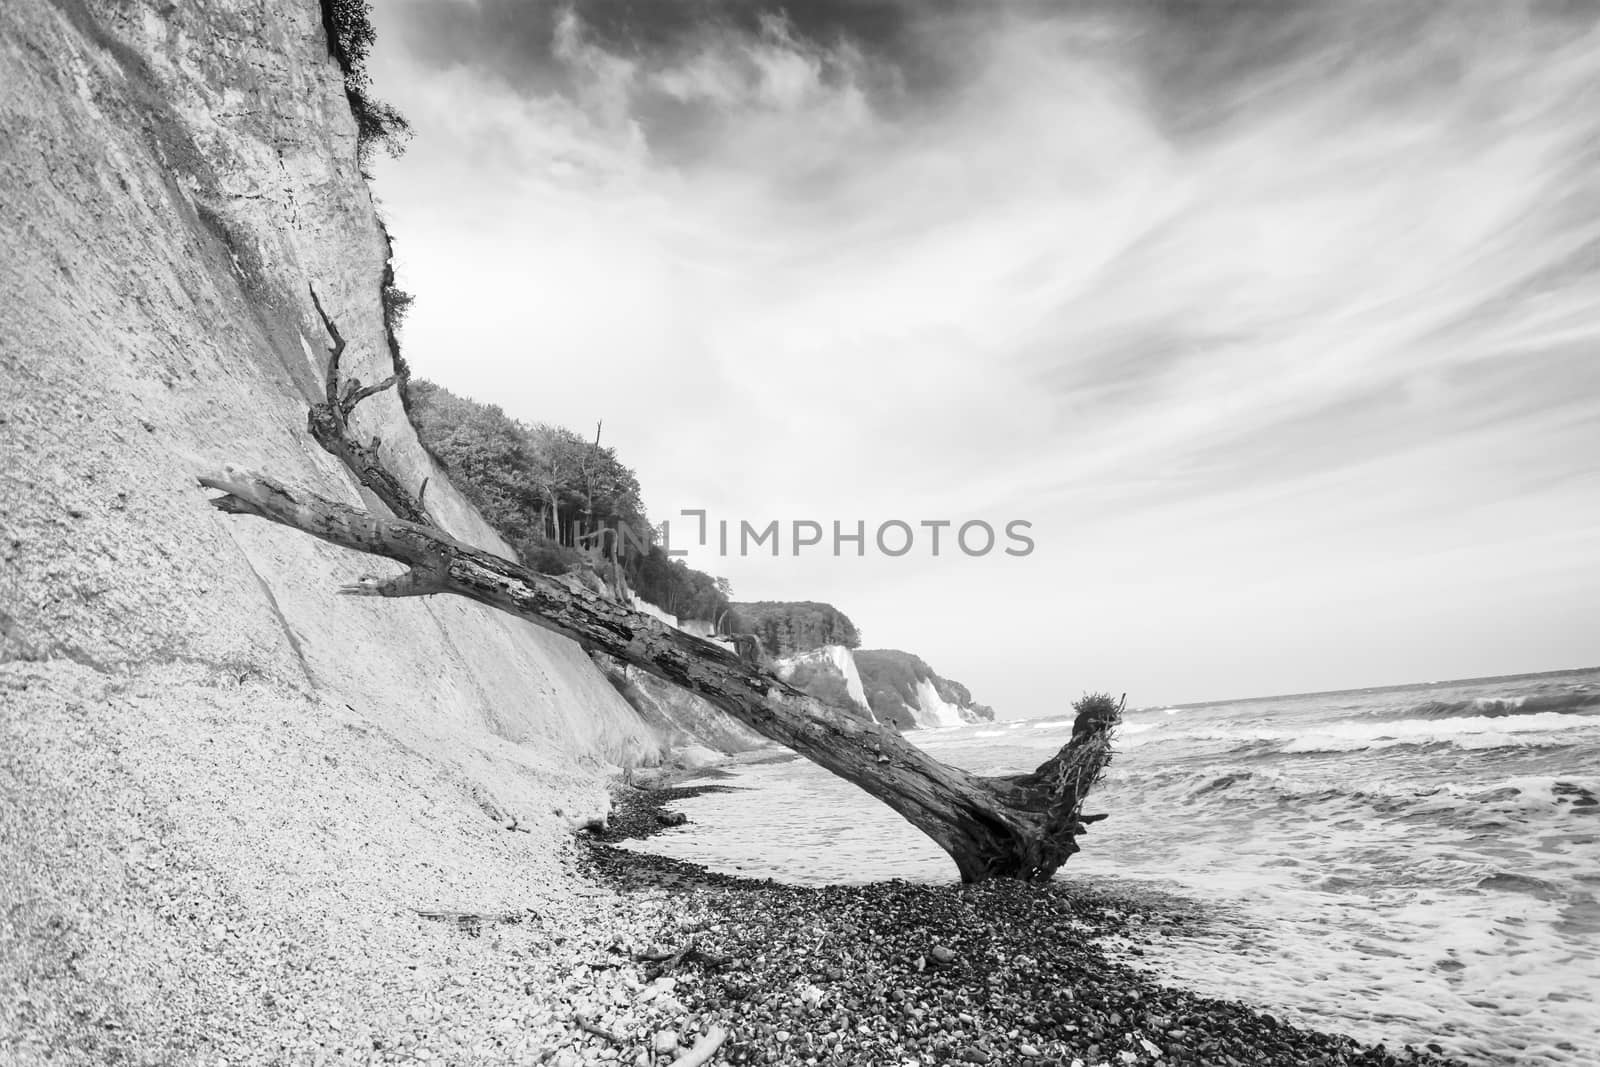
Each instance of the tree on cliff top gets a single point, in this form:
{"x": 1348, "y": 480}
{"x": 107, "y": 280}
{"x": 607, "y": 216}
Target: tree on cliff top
{"x": 790, "y": 627}
{"x": 532, "y": 483}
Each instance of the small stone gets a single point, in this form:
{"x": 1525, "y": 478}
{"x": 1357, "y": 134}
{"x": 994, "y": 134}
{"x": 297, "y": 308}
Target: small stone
{"x": 1029, "y": 1050}
{"x": 666, "y": 1041}
{"x": 941, "y": 954}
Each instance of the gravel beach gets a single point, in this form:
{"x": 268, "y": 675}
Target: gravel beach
{"x": 198, "y": 871}
{"x": 899, "y": 973}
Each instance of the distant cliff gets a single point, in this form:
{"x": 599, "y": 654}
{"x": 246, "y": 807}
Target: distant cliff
{"x": 828, "y": 673}
{"x": 902, "y": 689}
{"x": 789, "y": 627}
{"x": 814, "y": 647}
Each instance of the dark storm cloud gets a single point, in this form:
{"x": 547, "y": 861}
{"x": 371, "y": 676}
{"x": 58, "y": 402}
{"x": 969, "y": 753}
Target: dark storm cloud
{"x": 683, "y": 70}
{"x": 525, "y": 28}
{"x": 1200, "y": 58}
{"x": 518, "y": 41}
{"x": 1200, "y": 61}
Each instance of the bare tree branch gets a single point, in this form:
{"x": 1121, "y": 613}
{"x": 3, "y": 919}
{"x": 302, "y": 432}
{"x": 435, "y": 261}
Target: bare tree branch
{"x": 328, "y": 422}
{"x": 1020, "y": 826}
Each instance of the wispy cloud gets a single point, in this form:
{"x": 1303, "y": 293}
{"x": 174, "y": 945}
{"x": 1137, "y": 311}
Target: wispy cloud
{"x": 1194, "y": 287}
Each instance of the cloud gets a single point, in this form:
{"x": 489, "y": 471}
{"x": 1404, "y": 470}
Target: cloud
{"x": 1226, "y": 298}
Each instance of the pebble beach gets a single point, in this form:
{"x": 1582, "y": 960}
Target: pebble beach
{"x": 168, "y": 896}
{"x": 901, "y": 973}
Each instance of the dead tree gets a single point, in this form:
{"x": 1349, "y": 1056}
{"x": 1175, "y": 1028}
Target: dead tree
{"x": 1014, "y": 826}
{"x": 329, "y": 423}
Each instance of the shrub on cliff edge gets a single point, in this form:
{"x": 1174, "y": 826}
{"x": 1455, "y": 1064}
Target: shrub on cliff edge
{"x": 350, "y": 39}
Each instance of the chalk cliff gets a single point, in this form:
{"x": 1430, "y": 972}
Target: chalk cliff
{"x": 901, "y": 688}
{"x": 175, "y": 176}
{"x": 828, "y": 673}
{"x": 215, "y": 774}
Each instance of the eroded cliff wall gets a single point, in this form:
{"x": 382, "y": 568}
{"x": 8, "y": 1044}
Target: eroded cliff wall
{"x": 176, "y": 177}
{"x": 902, "y": 689}
{"x": 188, "y": 714}
{"x": 828, "y": 673}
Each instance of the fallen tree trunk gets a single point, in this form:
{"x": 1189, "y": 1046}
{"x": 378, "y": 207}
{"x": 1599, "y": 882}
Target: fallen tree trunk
{"x": 1021, "y": 826}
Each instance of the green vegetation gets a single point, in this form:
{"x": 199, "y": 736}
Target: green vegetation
{"x": 677, "y": 588}
{"x": 790, "y": 627}
{"x": 396, "y": 302}
{"x": 351, "y": 36}
{"x": 560, "y": 500}
{"x": 530, "y": 482}
{"x": 891, "y": 678}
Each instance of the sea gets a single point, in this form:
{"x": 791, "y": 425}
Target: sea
{"x": 1407, "y": 864}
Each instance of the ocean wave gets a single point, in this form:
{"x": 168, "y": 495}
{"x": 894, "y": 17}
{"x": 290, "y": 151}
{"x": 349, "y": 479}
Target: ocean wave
{"x": 1576, "y": 701}
{"x": 1537, "y": 729}
{"x": 1261, "y": 740}
{"x": 1545, "y": 795}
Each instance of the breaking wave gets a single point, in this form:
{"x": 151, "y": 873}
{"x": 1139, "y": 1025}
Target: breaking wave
{"x": 1534, "y": 729}
{"x": 1580, "y": 701}
{"x": 1527, "y": 797}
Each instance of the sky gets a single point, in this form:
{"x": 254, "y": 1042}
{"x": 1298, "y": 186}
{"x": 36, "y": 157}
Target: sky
{"x": 1277, "y": 321}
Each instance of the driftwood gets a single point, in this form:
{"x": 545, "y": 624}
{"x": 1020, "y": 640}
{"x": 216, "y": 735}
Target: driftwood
{"x": 669, "y": 960}
{"x": 599, "y": 1031}
{"x": 703, "y": 1049}
{"x": 329, "y": 423}
{"x": 1015, "y": 826}
{"x": 1019, "y": 826}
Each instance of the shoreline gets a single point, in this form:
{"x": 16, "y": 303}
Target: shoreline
{"x": 899, "y": 973}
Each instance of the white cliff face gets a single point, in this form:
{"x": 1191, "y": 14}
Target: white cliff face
{"x": 828, "y": 673}
{"x": 902, "y": 689}
{"x": 175, "y": 177}
{"x": 698, "y": 627}
{"x": 684, "y": 720}
{"x": 845, "y": 663}
{"x": 932, "y": 711}
{"x": 645, "y": 607}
